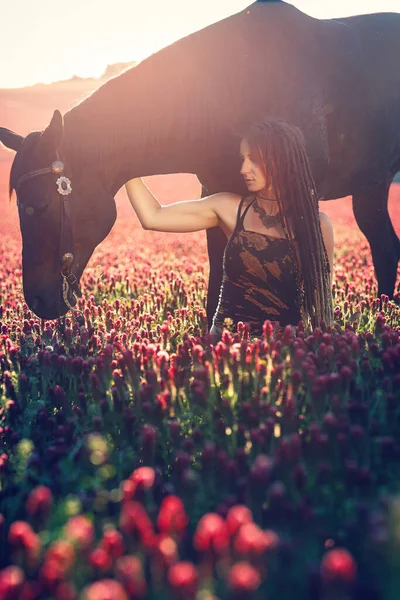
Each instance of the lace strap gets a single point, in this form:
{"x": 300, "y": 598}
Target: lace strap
{"x": 240, "y": 217}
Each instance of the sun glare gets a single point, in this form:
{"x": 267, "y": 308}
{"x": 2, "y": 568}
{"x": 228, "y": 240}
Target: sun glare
{"x": 90, "y": 35}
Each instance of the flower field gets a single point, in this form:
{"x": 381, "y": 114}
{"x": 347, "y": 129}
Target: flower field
{"x": 137, "y": 460}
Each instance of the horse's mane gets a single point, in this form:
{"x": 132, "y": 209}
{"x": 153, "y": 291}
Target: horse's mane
{"x": 170, "y": 95}
{"x": 128, "y": 106}
{"x": 181, "y": 100}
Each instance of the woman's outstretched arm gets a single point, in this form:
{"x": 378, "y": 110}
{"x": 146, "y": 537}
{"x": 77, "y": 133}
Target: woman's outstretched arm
{"x": 180, "y": 217}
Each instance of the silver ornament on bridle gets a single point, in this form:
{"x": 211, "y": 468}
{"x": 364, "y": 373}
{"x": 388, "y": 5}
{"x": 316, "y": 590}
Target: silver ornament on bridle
{"x": 64, "y": 189}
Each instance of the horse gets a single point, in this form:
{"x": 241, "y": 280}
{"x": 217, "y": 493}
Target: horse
{"x": 183, "y": 109}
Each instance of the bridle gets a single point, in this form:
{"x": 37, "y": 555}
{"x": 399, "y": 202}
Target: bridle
{"x": 66, "y": 248}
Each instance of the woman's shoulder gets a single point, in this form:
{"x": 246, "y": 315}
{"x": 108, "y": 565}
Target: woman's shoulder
{"x": 325, "y": 222}
{"x": 228, "y": 196}
{"x": 324, "y": 218}
{"x": 226, "y": 205}
{"x": 224, "y": 199}
{"x": 233, "y": 199}
{"x": 327, "y": 232}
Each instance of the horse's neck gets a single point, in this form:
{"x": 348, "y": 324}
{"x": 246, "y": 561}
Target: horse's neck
{"x": 148, "y": 120}
{"x": 179, "y": 110}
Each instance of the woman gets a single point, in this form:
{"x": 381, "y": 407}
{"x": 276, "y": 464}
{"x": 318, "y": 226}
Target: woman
{"x": 279, "y": 256}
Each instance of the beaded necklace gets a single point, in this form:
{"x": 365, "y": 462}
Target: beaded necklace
{"x": 269, "y": 220}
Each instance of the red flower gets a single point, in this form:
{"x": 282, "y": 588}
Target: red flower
{"x": 330, "y": 421}
{"x": 346, "y": 374}
{"x": 148, "y": 440}
{"x": 31, "y": 590}
{"x": 251, "y": 539}
{"x": 287, "y": 336}
{"x": 24, "y": 539}
{"x": 129, "y": 572}
{"x": 11, "y": 581}
{"x": 243, "y": 578}
{"x": 260, "y": 471}
{"x": 51, "y": 574}
{"x": 167, "y": 549}
{"x": 338, "y": 565}
{"x": 238, "y": 515}
{"x": 183, "y": 578}
{"x": 62, "y": 553}
{"x": 19, "y": 533}
{"x": 3, "y": 463}
{"x": 106, "y": 589}
{"x": 80, "y": 530}
{"x": 268, "y": 329}
{"x": 113, "y": 543}
{"x": 40, "y": 502}
{"x": 211, "y": 533}
{"x": 172, "y": 518}
{"x": 135, "y": 521}
{"x": 128, "y": 489}
{"x": 100, "y": 560}
{"x": 143, "y": 478}
{"x": 65, "y": 591}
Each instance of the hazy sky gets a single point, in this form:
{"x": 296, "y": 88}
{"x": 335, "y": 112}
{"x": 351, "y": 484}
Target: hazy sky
{"x": 46, "y": 40}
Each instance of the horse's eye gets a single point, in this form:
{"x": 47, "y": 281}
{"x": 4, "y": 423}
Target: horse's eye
{"x": 30, "y": 210}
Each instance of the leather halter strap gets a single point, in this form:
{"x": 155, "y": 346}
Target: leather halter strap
{"x": 66, "y": 248}
{"x": 31, "y": 174}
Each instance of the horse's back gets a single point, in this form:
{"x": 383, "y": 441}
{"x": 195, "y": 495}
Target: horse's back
{"x": 379, "y": 37}
{"x": 358, "y": 68}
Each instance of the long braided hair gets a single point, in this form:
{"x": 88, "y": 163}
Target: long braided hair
{"x": 283, "y": 155}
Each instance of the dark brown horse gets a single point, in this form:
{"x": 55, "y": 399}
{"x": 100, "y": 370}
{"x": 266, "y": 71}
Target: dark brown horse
{"x": 181, "y": 110}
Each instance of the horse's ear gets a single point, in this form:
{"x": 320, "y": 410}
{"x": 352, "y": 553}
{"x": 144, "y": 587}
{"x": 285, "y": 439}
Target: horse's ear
{"x": 10, "y": 139}
{"x": 52, "y": 135}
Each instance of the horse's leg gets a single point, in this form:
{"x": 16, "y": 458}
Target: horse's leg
{"x": 371, "y": 212}
{"x": 216, "y": 242}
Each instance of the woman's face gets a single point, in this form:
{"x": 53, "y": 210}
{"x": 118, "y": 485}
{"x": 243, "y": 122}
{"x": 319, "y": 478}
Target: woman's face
{"x": 252, "y": 169}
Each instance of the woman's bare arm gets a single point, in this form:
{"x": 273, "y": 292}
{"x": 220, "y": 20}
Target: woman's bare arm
{"x": 328, "y": 237}
{"x": 180, "y": 217}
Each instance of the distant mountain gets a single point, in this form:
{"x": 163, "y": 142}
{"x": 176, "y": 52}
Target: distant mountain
{"x": 31, "y": 108}
{"x": 116, "y": 69}
{"x": 110, "y": 71}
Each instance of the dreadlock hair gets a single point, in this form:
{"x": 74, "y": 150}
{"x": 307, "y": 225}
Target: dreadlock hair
{"x": 283, "y": 155}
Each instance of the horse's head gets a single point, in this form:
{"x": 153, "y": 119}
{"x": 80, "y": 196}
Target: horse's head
{"x": 64, "y": 211}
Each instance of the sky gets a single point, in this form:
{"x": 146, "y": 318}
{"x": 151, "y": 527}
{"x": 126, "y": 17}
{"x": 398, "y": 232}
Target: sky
{"x": 43, "y": 40}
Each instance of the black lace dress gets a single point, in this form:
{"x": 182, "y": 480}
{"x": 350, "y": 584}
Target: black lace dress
{"x": 260, "y": 280}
